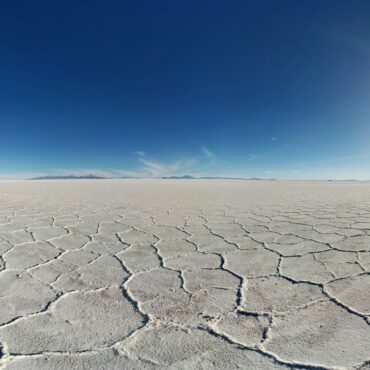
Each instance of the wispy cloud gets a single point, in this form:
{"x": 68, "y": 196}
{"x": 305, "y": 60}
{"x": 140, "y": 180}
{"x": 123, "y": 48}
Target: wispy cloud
{"x": 140, "y": 153}
{"x": 147, "y": 167}
{"x": 154, "y": 169}
{"x": 208, "y": 153}
{"x": 274, "y": 138}
{"x": 352, "y": 40}
{"x": 252, "y": 157}
{"x": 355, "y": 41}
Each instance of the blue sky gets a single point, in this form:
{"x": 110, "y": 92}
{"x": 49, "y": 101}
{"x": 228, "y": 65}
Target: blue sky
{"x": 153, "y": 88}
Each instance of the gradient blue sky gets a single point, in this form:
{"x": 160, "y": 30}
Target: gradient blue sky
{"x": 153, "y": 88}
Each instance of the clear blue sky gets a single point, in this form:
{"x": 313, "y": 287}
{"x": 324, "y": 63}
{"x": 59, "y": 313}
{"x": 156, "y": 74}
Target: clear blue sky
{"x": 151, "y": 88}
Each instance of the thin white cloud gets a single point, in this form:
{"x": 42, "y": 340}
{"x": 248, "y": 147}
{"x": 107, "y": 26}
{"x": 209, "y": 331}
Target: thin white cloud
{"x": 207, "y": 152}
{"x": 274, "y": 138}
{"x": 147, "y": 168}
{"x": 252, "y": 157}
{"x": 140, "y": 153}
{"x": 154, "y": 169}
{"x": 209, "y": 155}
{"x": 353, "y": 40}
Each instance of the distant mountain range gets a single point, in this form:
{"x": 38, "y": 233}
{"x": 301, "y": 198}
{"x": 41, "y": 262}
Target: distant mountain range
{"x": 67, "y": 177}
{"x": 189, "y": 177}
{"x": 184, "y": 177}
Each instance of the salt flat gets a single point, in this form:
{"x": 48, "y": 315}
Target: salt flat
{"x": 142, "y": 274}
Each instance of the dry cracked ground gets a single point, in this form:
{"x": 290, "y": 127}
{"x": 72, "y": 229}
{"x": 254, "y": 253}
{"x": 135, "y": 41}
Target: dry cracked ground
{"x": 154, "y": 274}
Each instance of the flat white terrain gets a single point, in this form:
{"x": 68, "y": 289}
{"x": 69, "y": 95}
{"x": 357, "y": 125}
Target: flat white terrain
{"x": 184, "y": 274}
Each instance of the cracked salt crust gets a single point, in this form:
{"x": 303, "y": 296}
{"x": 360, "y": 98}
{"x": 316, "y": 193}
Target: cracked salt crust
{"x": 184, "y": 274}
